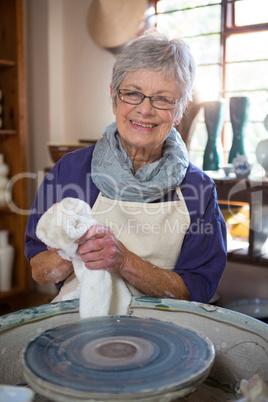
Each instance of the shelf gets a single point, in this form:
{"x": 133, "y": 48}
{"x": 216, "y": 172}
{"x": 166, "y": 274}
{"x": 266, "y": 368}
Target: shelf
{"x": 244, "y": 258}
{"x": 10, "y": 293}
{"x": 5, "y": 209}
{"x": 8, "y": 132}
{"x": 13, "y": 140}
{"x": 254, "y": 193}
{"x": 241, "y": 191}
{"x": 4, "y": 64}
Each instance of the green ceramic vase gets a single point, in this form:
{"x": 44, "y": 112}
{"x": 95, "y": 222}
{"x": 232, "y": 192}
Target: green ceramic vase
{"x": 239, "y": 111}
{"x": 214, "y": 119}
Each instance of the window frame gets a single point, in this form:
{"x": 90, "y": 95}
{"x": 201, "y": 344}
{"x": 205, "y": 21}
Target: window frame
{"x": 227, "y": 29}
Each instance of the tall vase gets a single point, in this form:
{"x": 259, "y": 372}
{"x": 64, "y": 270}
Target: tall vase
{"x": 262, "y": 149}
{"x": 214, "y": 119}
{"x": 6, "y": 262}
{"x": 4, "y": 193}
{"x": 239, "y": 111}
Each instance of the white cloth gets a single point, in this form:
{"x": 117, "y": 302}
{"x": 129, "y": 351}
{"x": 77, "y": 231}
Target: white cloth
{"x": 100, "y": 292}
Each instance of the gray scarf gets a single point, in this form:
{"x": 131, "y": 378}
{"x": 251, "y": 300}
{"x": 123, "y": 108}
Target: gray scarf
{"x": 112, "y": 170}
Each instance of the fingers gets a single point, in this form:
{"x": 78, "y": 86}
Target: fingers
{"x": 94, "y": 240}
{"x": 94, "y": 232}
{"x": 99, "y": 249}
{"x": 93, "y": 253}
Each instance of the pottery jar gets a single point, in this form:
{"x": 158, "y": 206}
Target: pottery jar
{"x": 6, "y": 262}
{"x": 4, "y": 169}
{"x": 262, "y": 154}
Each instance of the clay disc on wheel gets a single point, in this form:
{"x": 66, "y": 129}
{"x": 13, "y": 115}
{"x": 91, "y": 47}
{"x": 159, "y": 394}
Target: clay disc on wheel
{"x": 117, "y": 358}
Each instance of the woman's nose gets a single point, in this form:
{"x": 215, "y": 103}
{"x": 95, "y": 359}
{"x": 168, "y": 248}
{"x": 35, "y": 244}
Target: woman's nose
{"x": 145, "y": 107}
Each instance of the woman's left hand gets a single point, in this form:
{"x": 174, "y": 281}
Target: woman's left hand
{"x": 99, "y": 249}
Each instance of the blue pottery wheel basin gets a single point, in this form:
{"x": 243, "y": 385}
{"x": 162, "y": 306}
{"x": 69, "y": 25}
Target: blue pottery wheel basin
{"x": 238, "y": 339}
{"x": 117, "y": 358}
{"x": 256, "y": 308}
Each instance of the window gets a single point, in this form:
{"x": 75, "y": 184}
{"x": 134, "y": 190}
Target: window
{"x": 229, "y": 40}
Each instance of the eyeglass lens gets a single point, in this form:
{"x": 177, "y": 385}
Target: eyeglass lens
{"x": 157, "y": 101}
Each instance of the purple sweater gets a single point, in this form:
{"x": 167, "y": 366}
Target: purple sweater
{"x": 202, "y": 259}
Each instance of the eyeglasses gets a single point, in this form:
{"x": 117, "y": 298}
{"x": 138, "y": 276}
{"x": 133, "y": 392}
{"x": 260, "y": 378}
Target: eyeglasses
{"x": 157, "y": 101}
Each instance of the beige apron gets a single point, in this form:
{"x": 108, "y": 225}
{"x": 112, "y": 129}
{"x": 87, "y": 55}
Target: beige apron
{"x": 153, "y": 231}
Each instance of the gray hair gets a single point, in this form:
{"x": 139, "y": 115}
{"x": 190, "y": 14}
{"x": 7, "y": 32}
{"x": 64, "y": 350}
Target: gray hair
{"x": 155, "y": 51}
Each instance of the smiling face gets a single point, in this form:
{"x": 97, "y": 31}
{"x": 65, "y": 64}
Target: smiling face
{"x": 143, "y": 128}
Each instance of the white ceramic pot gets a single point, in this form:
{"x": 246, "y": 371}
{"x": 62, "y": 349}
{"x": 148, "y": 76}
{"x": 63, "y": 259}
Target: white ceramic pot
{"x": 6, "y": 262}
{"x": 5, "y": 197}
{"x": 4, "y": 169}
{"x": 262, "y": 154}
{"x": 3, "y": 182}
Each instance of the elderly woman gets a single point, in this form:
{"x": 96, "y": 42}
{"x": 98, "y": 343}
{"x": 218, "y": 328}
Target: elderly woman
{"x": 160, "y": 226}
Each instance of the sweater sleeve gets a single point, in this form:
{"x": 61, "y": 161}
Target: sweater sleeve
{"x": 204, "y": 251}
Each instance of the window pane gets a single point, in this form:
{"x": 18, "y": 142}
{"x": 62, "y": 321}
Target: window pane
{"x": 198, "y": 142}
{"x": 247, "y": 76}
{"x": 200, "y": 135}
{"x": 207, "y": 84}
{"x": 196, "y": 157}
{"x": 169, "y": 5}
{"x": 248, "y": 46}
{"x": 228, "y": 134}
{"x": 205, "y": 49}
{"x": 250, "y": 12}
{"x": 191, "y": 22}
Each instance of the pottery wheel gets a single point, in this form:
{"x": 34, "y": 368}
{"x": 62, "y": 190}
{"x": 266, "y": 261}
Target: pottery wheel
{"x": 117, "y": 358}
